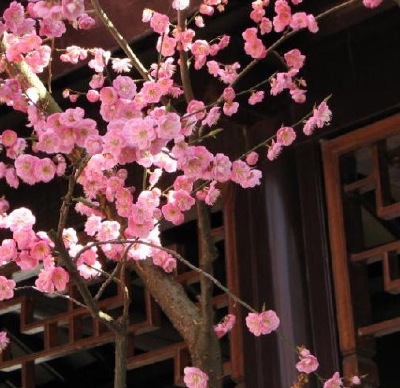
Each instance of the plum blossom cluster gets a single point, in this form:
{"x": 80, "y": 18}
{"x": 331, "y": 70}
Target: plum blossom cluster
{"x": 320, "y": 117}
{"x": 337, "y": 382}
{"x": 285, "y": 136}
{"x": 26, "y": 29}
{"x": 29, "y": 250}
{"x": 289, "y": 80}
{"x": 12, "y": 95}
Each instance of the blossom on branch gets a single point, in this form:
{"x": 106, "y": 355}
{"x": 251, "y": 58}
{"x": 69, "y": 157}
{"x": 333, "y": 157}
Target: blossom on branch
{"x": 195, "y": 378}
{"x": 6, "y": 288}
{"x": 225, "y": 326}
{"x": 308, "y": 363}
{"x": 334, "y": 382}
{"x": 262, "y": 323}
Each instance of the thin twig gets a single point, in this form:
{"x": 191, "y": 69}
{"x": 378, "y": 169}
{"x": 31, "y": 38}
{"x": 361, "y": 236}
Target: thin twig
{"x": 288, "y": 35}
{"x": 120, "y": 40}
{"x": 110, "y": 277}
{"x": 178, "y": 257}
{"x": 67, "y": 200}
{"x": 266, "y": 141}
{"x": 183, "y": 58}
{"x": 65, "y": 296}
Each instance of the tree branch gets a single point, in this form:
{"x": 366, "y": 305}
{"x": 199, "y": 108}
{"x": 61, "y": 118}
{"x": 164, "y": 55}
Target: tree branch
{"x": 27, "y": 79}
{"x": 286, "y": 36}
{"x": 120, "y": 40}
{"x": 91, "y": 304}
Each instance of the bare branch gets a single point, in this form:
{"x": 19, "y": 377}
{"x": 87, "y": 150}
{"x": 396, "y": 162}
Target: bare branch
{"x": 121, "y": 41}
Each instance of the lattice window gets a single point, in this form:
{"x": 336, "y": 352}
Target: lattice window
{"x": 49, "y": 333}
{"x": 362, "y": 176}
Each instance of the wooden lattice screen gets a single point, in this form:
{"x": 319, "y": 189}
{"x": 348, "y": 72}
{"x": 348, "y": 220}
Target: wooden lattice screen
{"x": 362, "y": 179}
{"x": 72, "y": 329}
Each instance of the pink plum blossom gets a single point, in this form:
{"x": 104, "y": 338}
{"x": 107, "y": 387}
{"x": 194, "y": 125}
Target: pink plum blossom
{"x": 199, "y": 21}
{"x": 25, "y": 261}
{"x": 44, "y": 170}
{"x": 40, "y": 251}
{"x": 195, "y": 378}
{"x": 196, "y": 108}
{"x": 166, "y": 45}
{"x": 108, "y": 230}
{"x": 6, "y": 288}
{"x": 334, "y": 382}
{"x": 294, "y": 59}
{"x": 74, "y": 54}
{"x": 164, "y": 260}
{"x": 181, "y": 199}
{"x": 52, "y": 279}
{"x": 308, "y": 363}
{"x": 25, "y": 168}
{"x": 283, "y": 15}
{"x": 206, "y": 9}
{"x": 322, "y": 115}
{"x": 11, "y": 178}
{"x": 256, "y": 97}
{"x": 8, "y": 250}
{"x": 372, "y": 3}
{"x": 285, "y": 136}
{"x": 253, "y": 45}
{"x": 312, "y": 24}
{"x": 172, "y": 213}
{"x": 72, "y": 9}
{"x": 225, "y": 325}
{"x": 252, "y": 158}
{"x": 25, "y": 237}
{"x": 265, "y": 26}
{"x": 8, "y": 138}
{"x": 13, "y": 15}
{"x": 355, "y": 380}
{"x": 262, "y": 323}
{"x": 274, "y": 150}
{"x": 299, "y": 20}
{"x": 183, "y": 182}
{"x": 212, "y": 194}
{"x": 230, "y": 108}
{"x": 85, "y": 22}
{"x": 221, "y": 168}
{"x": 159, "y": 23}
{"x": 100, "y": 60}
{"x": 244, "y": 175}
{"x": 212, "y": 116}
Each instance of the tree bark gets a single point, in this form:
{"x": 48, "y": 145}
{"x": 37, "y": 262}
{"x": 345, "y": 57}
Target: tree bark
{"x": 120, "y": 356}
{"x": 207, "y": 352}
